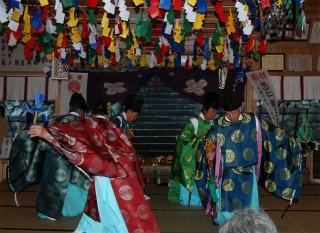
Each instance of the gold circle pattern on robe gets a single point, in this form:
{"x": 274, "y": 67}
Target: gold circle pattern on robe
{"x": 267, "y": 145}
{"x": 221, "y": 139}
{"x": 285, "y": 174}
{"x": 237, "y": 136}
{"x": 246, "y": 118}
{"x": 265, "y": 125}
{"x": 297, "y": 161}
{"x": 281, "y": 153}
{"x": 230, "y": 156}
{"x": 254, "y": 134}
{"x": 223, "y": 122}
{"x": 287, "y": 193}
{"x": 248, "y": 154}
{"x": 279, "y": 134}
{"x": 238, "y": 170}
{"x": 236, "y": 203}
{"x": 268, "y": 167}
{"x": 228, "y": 185}
{"x": 246, "y": 187}
{"x": 270, "y": 185}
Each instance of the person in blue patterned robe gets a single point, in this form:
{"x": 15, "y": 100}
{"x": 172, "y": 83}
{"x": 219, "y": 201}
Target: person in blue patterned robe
{"x": 249, "y": 150}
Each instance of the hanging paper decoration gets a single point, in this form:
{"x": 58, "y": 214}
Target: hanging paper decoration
{"x": 45, "y": 13}
{"x": 211, "y": 63}
{"x": 250, "y": 45}
{"x": 186, "y": 64}
{"x": 138, "y": 2}
{"x": 73, "y": 22}
{"x": 207, "y": 49}
{"x": 262, "y": 46}
{"x": 4, "y": 16}
{"x": 230, "y": 23}
{"x": 216, "y": 35}
{"x": 152, "y": 60}
{"x": 197, "y": 25}
{"x": 143, "y": 28}
{"x": 27, "y": 24}
{"x": 143, "y": 61}
{"x": 202, "y": 6}
{"x": 140, "y": 30}
{"x": 177, "y": 32}
{"x": 153, "y": 9}
{"x": 265, "y": 3}
{"x": 187, "y": 26}
{"x": 85, "y": 29}
{"x": 199, "y": 39}
{"x": 165, "y": 4}
{"x": 124, "y": 13}
{"x": 192, "y": 2}
{"x": 36, "y": 20}
{"x": 91, "y": 16}
{"x": 177, "y": 5}
{"x": 219, "y": 10}
{"x": 203, "y": 64}
{"x": 41, "y": 34}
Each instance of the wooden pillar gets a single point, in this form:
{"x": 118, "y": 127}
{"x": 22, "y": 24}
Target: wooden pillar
{"x": 250, "y": 103}
{"x": 309, "y": 166}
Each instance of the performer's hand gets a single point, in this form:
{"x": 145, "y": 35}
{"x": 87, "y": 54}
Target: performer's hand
{"x": 210, "y": 156}
{"x": 38, "y": 131}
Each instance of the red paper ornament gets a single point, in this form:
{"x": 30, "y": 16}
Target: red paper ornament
{"x": 85, "y": 30}
{"x": 250, "y": 45}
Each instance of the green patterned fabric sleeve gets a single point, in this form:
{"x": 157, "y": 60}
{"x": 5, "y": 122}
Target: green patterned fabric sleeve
{"x": 184, "y": 164}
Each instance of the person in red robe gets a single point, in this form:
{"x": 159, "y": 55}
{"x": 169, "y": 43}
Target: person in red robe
{"x": 99, "y": 147}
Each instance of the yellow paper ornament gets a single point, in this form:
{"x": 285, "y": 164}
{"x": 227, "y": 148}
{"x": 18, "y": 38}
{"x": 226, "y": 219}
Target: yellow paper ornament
{"x": 230, "y": 23}
{"x": 72, "y": 21}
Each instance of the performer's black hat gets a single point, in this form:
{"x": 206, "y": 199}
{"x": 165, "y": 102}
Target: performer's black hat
{"x": 212, "y": 100}
{"x": 78, "y": 101}
{"x": 231, "y": 101}
{"x": 133, "y": 103}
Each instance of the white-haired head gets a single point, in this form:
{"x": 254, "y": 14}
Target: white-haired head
{"x": 249, "y": 221}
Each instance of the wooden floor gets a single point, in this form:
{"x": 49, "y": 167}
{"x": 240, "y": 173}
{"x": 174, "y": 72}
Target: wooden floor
{"x": 303, "y": 217}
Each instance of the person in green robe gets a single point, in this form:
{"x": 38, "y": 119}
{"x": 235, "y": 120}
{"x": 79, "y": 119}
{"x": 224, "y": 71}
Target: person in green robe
{"x": 189, "y": 172}
{"x": 249, "y": 150}
{"x": 62, "y": 187}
